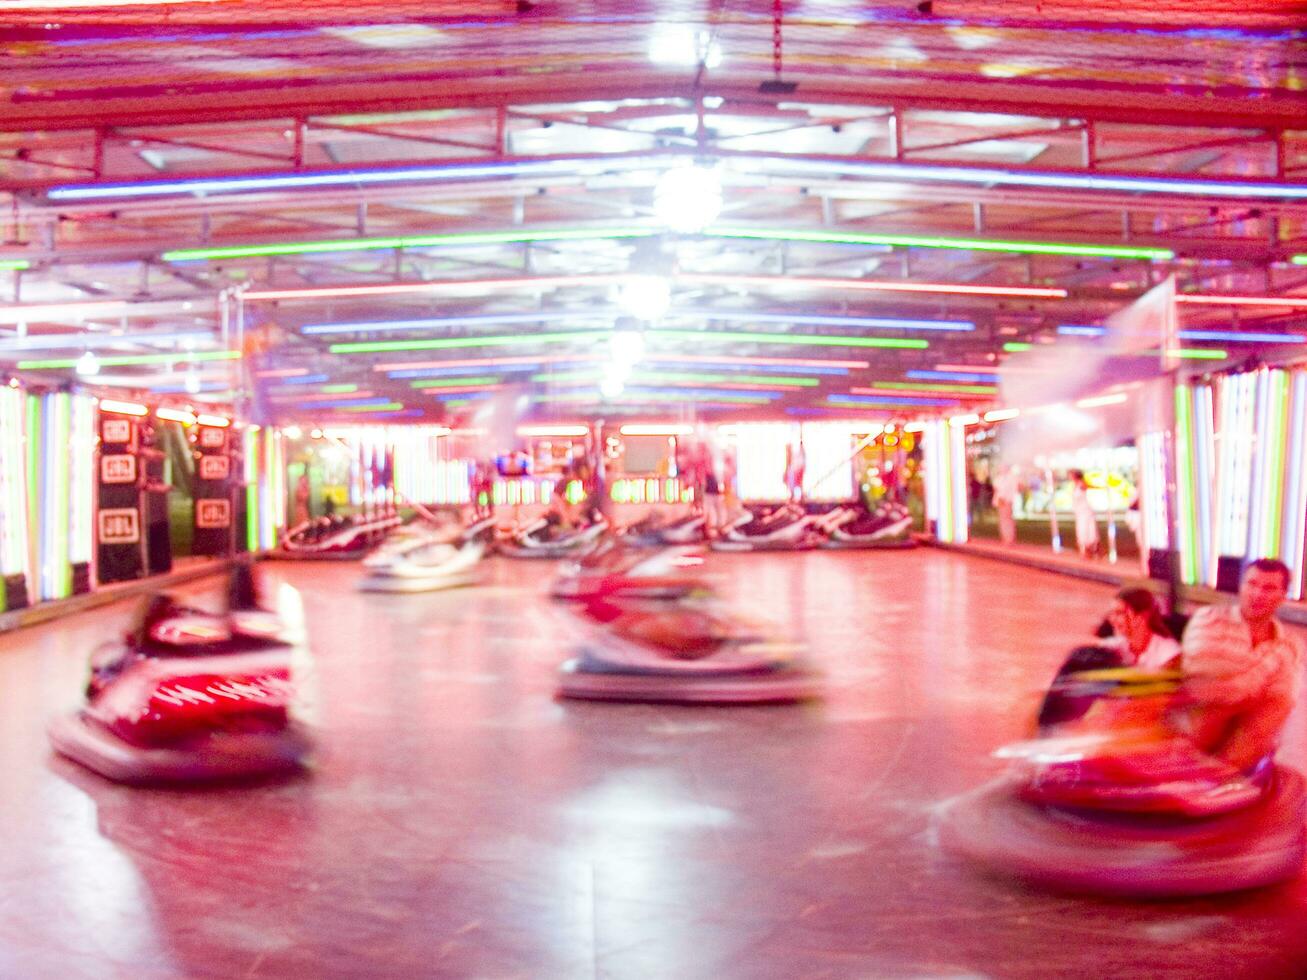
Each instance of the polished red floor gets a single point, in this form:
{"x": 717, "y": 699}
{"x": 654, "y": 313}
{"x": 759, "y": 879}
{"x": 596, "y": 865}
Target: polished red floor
{"x": 460, "y": 822}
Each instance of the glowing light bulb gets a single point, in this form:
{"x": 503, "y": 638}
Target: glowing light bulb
{"x": 611, "y": 387}
{"x": 88, "y": 365}
{"x": 688, "y": 198}
{"x": 646, "y": 297}
{"x": 626, "y": 347}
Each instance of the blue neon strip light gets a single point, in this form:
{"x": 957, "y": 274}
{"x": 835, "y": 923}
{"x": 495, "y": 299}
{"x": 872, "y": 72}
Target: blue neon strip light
{"x": 348, "y": 403}
{"x": 976, "y": 377}
{"x": 872, "y": 322}
{"x": 305, "y": 379}
{"x": 1229, "y": 336}
{"x": 877, "y": 400}
{"x": 775, "y": 163}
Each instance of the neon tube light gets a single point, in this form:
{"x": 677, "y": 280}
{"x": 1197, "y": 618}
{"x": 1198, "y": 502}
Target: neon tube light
{"x": 123, "y": 408}
{"x": 1288, "y": 302}
{"x": 656, "y": 430}
{"x": 404, "y": 367}
{"x": 967, "y": 244}
{"x": 961, "y": 420}
{"x": 542, "y": 431}
{"x": 407, "y": 241}
{"x": 328, "y": 178}
{"x": 803, "y": 340}
{"x": 446, "y": 393}
{"x": 968, "y": 174}
{"x": 1238, "y": 337}
{"x": 878, "y": 286}
{"x": 382, "y": 406}
{"x": 1016, "y": 346}
{"x": 452, "y": 343}
{"x": 455, "y": 382}
{"x": 14, "y": 265}
{"x": 216, "y": 421}
{"x": 597, "y": 234}
{"x": 325, "y": 396}
{"x": 814, "y": 340}
{"x": 812, "y": 319}
{"x": 306, "y": 379}
{"x": 927, "y": 386}
{"x": 475, "y": 286}
{"x": 282, "y": 373}
{"x": 117, "y": 360}
{"x": 455, "y": 286}
{"x": 1103, "y": 400}
{"x": 759, "y": 361}
{"x": 879, "y": 170}
{"x": 1235, "y": 336}
{"x": 1002, "y": 414}
{"x": 175, "y": 415}
{"x": 974, "y": 377}
{"x": 891, "y": 402}
{"x": 456, "y": 374}
{"x": 20, "y": 5}
{"x": 553, "y": 316}
{"x": 87, "y": 341}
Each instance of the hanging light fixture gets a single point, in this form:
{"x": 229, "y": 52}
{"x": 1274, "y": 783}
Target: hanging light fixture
{"x": 88, "y": 365}
{"x": 688, "y": 199}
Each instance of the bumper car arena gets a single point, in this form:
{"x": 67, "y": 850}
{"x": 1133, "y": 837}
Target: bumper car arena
{"x": 507, "y": 490}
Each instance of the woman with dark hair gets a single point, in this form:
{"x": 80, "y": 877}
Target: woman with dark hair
{"x": 1141, "y": 633}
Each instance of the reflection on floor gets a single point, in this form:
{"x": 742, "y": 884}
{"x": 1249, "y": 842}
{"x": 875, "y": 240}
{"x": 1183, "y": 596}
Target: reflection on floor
{"x": 460, "y": 822}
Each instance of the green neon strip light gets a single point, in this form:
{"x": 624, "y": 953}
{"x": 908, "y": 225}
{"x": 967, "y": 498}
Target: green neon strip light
{"x": 1193, "y": 354}
{"x": 180, "y": 356}
{"x": 592, "y": 234}
{"x": 447, "y": 343}
{"x": 916, "y": 386}
{"x": 1016, "y": 347}
{"x": 386, "y": 407}
{"x": 488, "y": 379}
{"x": 661, "y": 377}
{"x": 1186, "y": 504}
{"x": 408, "y": 241}
{"x": 969, "y": 244}
{"x": 338, "y": 389}
{"x": 455, "y": 403}
{"x": 1299, "y": 260}
{"x": 802, "y": 339}
{"x": 1276, "y": 439}
{"x": 647, "y": 397}
{"x": 14, "y": 265}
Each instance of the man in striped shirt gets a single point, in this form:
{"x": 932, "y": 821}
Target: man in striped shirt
{"x": 1242, "y": 668}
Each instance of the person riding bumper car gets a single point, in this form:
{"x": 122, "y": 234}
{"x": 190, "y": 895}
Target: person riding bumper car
{"x": 1118, "y": 800}
{"x": 193, "y": 696}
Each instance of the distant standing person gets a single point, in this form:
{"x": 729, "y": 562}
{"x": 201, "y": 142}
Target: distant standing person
{"x": 1086, "y": 520}
{"x": 1006, "y": 489}
{"x": 302, "y": 492}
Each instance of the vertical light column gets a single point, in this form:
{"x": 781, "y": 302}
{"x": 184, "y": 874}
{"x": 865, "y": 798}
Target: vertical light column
{"x": 83, "y": 483}
{"x": 1153, "y": 518}
{"x": 60, "y": 485}
{"x": 253, "y": 467}
{"x": 1295, "y": 490}
{"x": 1235, "y": 436}
{"x": 1265, "y": 529}
{"x": 945, "y": 449}
{"x": 14, "y": 538}
{"x": 1205, "y": 465}
{"x": 828, "y": 449}
{"x": 265, "y": 487}
{"x": 1185, "y": 483}
{"x": 760, "y": 458}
